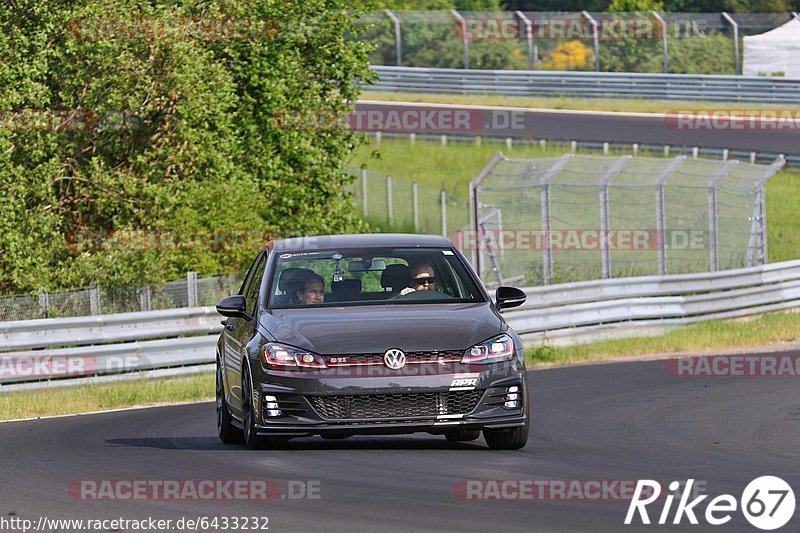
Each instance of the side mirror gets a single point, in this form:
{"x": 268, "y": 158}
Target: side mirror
{"x": 508, "y": 297}
{"x": 234, "y": 307}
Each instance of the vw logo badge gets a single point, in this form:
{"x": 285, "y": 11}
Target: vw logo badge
{"x": 394, "y": 359}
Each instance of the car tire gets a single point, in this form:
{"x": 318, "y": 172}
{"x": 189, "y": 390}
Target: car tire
{"x": 507, "y": 439}
{"x": 251, "y": 439}
{"x": 228, "y": 433}
{"x": 463, "y": 435}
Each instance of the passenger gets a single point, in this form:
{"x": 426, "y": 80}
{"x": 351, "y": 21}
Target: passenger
{"x": 313, "y": 291}
{"x": 422, "y": 279}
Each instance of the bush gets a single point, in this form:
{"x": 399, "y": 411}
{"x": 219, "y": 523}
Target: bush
{"x": 182, "y": 135}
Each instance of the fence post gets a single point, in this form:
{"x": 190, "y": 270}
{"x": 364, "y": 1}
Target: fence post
{"x": 661, "y": 212}
{"x": 415, "y": 195}
{"x": 464, "y": 36}
{"x": 44, "y": 304}
{"x": 364, "y": 191}
{"x": 398, "y": 41}
{"x": 544, "y": 201}
{"x": 595, "y": 38}
{"x": 758, "y": 228}
{"x": 605, "y": 249}
{"x": 94, "y": 300}
{"x": 145, "y": 299}
{"x": 389, "y": 211}
{"x": 663, "y": 40}
{"x": 528, "y": 37}
{"x": 444, "y": 210}
{"x": 191, "y": 288}
{"x": 547, "y": 254}
{"x": 735, "y": 26}
{"x": 713, "y": 215}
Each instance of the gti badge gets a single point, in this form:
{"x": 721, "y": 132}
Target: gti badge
{"x": 394, "y": 359}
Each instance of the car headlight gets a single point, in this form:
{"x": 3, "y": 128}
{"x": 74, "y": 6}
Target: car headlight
{"x": 492, "y": 351}
{"x": 282, "y": 356}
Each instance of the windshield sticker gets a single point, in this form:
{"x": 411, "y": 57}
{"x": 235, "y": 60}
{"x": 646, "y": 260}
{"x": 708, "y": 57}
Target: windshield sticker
{"x": 447, "y": 252}
{"x": 299, "y": 254}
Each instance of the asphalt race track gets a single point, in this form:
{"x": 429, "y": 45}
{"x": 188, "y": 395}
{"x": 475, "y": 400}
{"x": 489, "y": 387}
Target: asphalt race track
{"x": 644, "y": 128}
{"x": 624, "y": 421}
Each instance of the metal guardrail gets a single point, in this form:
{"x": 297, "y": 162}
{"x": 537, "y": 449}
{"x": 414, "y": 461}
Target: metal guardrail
{"x": 678, "y": 87}
{"x": 105, "y": 360}
{"x": 570, "y": 312}
{"x": 67, "y": 350}
{"x": 557, "y": 314}
{"x": 104, "y": 329}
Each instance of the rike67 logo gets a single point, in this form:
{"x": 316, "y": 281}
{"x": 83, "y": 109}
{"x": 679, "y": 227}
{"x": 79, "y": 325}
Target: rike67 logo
{"x": 767, "y": 503}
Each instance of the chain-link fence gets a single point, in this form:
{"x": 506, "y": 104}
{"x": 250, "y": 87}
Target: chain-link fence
{"x": 646, "y": 42}
{"x": 571, "y": 218}
{"x": 191, "y": 292}
{"x": 391, "y": 203}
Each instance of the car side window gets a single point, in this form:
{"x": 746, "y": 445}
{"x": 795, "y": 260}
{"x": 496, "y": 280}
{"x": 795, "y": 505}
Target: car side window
{"x": 251, "y": 293}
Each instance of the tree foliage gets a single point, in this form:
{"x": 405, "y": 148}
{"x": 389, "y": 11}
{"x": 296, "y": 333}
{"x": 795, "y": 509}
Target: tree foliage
{"x": 180, "y": 135}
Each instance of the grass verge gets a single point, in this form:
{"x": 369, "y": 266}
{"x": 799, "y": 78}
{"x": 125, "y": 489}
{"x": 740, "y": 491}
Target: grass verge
{"x": 587, "y": 104}
{"x": 713, "y": 335}
{"x": 86, "y": 398}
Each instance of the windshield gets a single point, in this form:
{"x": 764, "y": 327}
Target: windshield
{"x": 371, "y": 276}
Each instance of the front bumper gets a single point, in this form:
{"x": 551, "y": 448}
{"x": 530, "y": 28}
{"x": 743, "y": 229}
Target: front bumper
{"x": 455, "y": 397}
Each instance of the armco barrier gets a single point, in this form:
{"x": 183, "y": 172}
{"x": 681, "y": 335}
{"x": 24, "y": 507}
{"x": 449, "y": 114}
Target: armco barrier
{"x": 620, "y": 307}
{"x": 677, "y": 87}
{"x": 104, "y": 329}
{"x": 557, "y": 314}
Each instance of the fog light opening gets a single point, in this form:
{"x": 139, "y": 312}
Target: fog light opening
{"x": 512, "y": 400}
{"x": 271, "y": 403}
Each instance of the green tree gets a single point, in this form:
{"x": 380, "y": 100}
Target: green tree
{"x": 185, "y": 135}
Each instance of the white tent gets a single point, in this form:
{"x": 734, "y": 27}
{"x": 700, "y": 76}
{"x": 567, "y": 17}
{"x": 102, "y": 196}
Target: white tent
{"x": 776, "y": 52}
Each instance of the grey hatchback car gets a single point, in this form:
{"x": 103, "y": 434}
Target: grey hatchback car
{"x": 369, "y": 334}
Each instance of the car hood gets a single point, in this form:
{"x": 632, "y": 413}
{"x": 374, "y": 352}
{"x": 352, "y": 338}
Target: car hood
{"x": 372, "y": 329}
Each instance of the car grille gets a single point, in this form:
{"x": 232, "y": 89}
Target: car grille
{"x": 396, "y": 405}
{"x": 377, "y": 358}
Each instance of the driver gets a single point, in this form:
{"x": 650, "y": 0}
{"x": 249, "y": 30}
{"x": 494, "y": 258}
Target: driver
{"x": 313, "y": 291}
{"x": 422, "y": 279}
